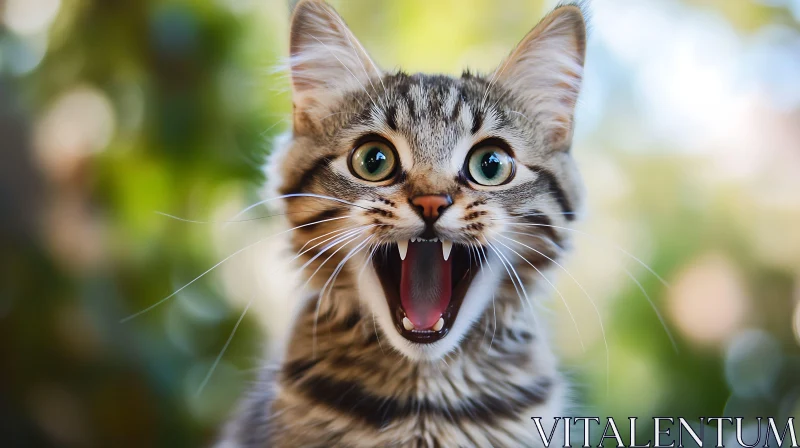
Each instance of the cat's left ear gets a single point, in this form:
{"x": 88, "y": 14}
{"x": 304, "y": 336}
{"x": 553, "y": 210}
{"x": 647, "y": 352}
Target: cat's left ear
{"x": 324, "y": 54}
{"x": 545, "y": 71}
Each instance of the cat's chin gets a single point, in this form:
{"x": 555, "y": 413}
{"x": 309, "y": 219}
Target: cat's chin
{"x": 471, "y": 292}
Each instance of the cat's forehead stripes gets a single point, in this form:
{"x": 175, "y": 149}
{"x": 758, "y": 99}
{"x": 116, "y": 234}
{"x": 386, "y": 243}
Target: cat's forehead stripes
{"x": 433, "y": 113}
{"x": 435, "y": 98}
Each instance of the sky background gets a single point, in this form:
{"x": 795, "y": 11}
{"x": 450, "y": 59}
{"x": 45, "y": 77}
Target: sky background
{"x": 688, "y": 136}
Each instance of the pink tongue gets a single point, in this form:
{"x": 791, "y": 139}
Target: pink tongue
{"x": 425, "y": 286}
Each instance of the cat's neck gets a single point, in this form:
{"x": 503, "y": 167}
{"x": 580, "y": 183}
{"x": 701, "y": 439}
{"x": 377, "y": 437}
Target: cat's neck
{"x": 340, "y": 357}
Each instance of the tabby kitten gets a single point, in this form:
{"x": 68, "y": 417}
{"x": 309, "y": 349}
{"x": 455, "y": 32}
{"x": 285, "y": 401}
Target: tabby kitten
{"x": 424, "y": 208}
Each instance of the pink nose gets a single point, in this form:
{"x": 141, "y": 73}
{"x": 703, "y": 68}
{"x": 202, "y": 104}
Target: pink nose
{"x": 431, "y": 205}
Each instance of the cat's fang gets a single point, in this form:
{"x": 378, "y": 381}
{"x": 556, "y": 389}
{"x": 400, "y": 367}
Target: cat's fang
{"x": 402, "y": 247}
{"x": 409, "y": 326}
{"x": 447, "y": 246}
{"x": 439, "y": 324}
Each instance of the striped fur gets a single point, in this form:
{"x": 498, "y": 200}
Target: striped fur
{"x": 358, "y": 392}
{"x": 347, "y": 377}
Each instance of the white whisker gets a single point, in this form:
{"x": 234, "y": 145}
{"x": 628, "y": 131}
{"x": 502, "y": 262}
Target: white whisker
{"x": 194, "y": 221}
{"x": 369, "y": 258}
{"x": 229, "y": 221}
{"x": 274, "y": 125}
{"x": 139, "y": 313}
{"x": 224, "y": 348}
{"x": 326, "y": 234}
{"x": 483, "y": 251}
{"x": 586, "y": 293}
{"x": 655, "y": 310}
{"x": 297, "y": 195}
{"x": 580, "y": 232}
{"x": 507, "y": 264}
{"x": 331, "y": 278}
{"x": 474, "y": 248}
{"x": 345, "y": 238}
{"x": 523, "y": 215}
{"x": 494, "y": 310}
{"x": 337, "y": 233}
{"x": 509, "y": 268}
{"x": 563, "y": 300}
{"x": 638, "y": 284}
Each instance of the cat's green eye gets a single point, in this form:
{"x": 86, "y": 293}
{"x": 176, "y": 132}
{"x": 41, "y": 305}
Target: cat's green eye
{"x": 490, "y": 165}
{"x": 373, "y": 161}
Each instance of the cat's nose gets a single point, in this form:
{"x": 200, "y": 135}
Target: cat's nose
{"x": 430, "y": 206}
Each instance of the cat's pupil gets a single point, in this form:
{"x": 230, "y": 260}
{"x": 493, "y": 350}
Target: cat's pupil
{"x": 490, "y": 165}
{"x": 374, "y": 159}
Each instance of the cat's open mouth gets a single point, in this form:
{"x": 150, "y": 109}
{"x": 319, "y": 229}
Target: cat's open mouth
{"x": 425, "y": 282}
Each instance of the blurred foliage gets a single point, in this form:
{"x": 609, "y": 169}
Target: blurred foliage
{"x": 189, "y": 120}
{"x": 111, "y": 110}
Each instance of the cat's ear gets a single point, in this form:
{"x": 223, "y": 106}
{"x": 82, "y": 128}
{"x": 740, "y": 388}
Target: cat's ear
{"x": 324, "y": 53}
{"x": 546, "y": 68}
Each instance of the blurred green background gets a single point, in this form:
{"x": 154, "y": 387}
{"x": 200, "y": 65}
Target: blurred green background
{"x": 688, "y": 136}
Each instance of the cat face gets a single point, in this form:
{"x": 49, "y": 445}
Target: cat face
{"x": 428, "y": 194}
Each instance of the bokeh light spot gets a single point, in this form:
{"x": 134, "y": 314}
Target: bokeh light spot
{"x": 22, "y": 55}
{"x": 707, "y": 302}
{"x": 78, "y": 123}
{"x": 30, "y": 16}
{"x": 752, "y": 363}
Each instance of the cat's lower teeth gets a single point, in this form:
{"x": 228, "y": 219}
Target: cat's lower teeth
{"x": 409, "y": 326}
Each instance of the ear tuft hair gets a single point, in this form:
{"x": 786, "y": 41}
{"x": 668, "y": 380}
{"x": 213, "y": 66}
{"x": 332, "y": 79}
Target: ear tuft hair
{"x": 545, "y": 70}
{"x": 324, "y": 54}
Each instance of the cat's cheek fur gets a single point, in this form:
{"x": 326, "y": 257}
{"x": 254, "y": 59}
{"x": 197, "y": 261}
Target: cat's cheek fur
{"x": 273, "y": 170}
{"x": 476, "y": 301}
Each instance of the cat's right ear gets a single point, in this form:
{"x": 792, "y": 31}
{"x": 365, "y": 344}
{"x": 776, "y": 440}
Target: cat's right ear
{"x": 325, "y": 56}
{"x": 546, "y": 69}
